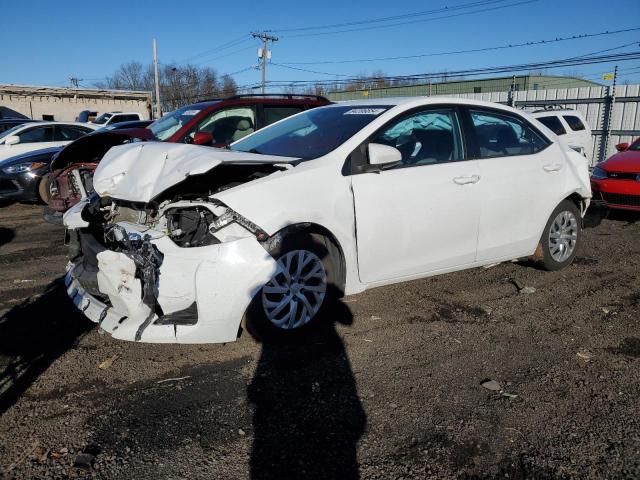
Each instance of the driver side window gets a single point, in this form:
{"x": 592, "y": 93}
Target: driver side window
{"x": 425, "y": 138}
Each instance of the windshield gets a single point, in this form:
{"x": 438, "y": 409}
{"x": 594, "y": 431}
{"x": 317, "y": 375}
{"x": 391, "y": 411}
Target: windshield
{"x": 311, "y": 134}
{"x": 169, "y": 124}
{"x": 103, "y": 118}
{"x": 6, "y": 133}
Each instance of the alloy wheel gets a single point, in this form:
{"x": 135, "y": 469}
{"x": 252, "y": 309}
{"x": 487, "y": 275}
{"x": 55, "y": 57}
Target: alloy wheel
{"x": 563, "y": 236}
{"x": 296, "y": 292}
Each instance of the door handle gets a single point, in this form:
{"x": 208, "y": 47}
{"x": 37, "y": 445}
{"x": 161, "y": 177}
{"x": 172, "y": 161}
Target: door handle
{"x": 466, "y": 180}
{"x": 552, "y": 168}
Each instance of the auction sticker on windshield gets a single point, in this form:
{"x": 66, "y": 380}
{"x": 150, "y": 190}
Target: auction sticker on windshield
{"x": 365, "y": 111}
{"x": 190, "y": 112}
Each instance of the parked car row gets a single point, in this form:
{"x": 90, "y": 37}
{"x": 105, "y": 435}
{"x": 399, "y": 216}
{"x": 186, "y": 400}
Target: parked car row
{"x": 180, "y": 242}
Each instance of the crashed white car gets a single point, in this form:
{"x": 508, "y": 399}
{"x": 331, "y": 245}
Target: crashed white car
{"x": 182, "y": 242}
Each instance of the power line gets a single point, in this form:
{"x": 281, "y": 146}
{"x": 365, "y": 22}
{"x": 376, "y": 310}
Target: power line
{"x": 482, "y": 71}
{"x": 387, "y": 19}
{"x": 284, "y": 65}
{"x": 409, "y": 22}
{"x": 473, "y": 50}
{"x": 231, "y": 43}
{"x": 225, "y": 55}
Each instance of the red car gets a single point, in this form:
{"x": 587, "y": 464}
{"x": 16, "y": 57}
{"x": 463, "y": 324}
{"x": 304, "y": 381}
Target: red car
{"x": 616, "y": 182}
{"x": 217, "y": 123}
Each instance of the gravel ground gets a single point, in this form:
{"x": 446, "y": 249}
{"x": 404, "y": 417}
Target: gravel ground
{"x": 393, "y": 389}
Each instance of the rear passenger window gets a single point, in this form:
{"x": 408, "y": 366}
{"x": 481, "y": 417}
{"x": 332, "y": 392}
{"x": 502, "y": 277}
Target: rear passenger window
{"x": 574, "y": 123}
{"x": 68, "y": 132}
{"x": 425, "y": 138}
{"x": 553, "y": 123}
{"x": 274, "y": 114}
{"x": 37, "y": 135}
{"x": 500, "y": 135}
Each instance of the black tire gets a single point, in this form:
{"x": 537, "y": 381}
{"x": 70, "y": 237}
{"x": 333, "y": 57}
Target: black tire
{"x": 547, "y": 260}
{"x": 256, "y": 321}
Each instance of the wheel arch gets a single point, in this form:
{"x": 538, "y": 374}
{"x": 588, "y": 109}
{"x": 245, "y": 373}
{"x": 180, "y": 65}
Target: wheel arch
{"x": 333, "y": 246}
{"x": 581, "y": 202}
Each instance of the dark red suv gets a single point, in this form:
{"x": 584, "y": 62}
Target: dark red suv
{"x": 222, "y": 122}
{"x": 216, "y": 123}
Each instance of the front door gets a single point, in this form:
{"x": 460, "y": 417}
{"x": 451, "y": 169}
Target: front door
{"x": 420, "y": 216}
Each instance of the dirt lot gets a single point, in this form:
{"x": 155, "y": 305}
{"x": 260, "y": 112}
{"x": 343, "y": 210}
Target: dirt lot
{"x": 392, "y": 390}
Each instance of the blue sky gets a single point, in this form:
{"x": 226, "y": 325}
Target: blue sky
{"x": 47, "y": 42}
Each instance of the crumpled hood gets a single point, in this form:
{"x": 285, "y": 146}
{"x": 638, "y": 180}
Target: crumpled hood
{"x": 138, "y": 172}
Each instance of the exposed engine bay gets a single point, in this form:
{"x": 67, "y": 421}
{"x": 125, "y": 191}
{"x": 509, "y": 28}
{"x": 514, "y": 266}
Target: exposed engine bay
{"x": 186, "y": 212}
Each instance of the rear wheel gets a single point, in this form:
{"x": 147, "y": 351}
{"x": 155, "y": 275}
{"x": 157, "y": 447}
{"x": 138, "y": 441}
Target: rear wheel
{"x": 298, "y": 295}
{"x": 561, "y": 236}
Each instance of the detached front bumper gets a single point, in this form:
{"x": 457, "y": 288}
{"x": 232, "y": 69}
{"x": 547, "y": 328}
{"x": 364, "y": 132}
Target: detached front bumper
{"x": 202, "y": 292}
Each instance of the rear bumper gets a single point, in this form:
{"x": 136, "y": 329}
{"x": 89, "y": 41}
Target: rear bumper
{"x": 202, "y": 292}
{"x": 617, "y": 194}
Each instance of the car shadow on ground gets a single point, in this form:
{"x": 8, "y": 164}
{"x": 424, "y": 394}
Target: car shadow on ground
{"x": 33, "y": 335}
{"x": 626, "y": 216}
{"x": 307, "y": 417}
{"x": 6, "y": 235}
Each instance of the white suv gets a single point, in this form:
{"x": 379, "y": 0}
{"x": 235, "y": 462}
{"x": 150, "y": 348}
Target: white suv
{"x": 109, "y": 118}
{"x": 571, "y": 126}
{"x": 182, "y": 241}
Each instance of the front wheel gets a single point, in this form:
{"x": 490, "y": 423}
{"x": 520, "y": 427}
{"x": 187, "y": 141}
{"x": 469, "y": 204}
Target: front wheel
{"x": 300, "y": 291}
{"x": 561, "y": 236}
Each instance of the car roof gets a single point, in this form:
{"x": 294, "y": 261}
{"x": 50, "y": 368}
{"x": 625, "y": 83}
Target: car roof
{"x": 537, "y": 113}
{"x": 409, "y": 102}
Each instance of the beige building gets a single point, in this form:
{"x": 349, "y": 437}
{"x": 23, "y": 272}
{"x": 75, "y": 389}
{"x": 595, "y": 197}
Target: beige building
{"x": 62, "y": 103}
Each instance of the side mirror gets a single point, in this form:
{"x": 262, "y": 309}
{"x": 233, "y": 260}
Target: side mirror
{"x": 383, "y": 154}
{"x": 621, "y": 147}
{"x": 202, "y": 138}
{"x": 12, "y": 140}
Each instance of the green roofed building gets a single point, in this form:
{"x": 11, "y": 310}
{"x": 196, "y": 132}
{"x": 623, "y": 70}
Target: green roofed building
{"x": 484, "y": 85}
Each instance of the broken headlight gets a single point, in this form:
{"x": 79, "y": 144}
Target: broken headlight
{"x": 189, "y": 226}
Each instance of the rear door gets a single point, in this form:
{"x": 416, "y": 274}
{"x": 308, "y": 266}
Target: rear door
{"x": 422, "y": 215}
{"x": 521, "y": 170}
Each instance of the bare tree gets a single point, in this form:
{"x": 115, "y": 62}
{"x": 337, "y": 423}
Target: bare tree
{"x": 179, "y": 85}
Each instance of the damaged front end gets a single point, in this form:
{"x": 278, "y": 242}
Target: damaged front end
{"x": 71, "y": 178}
{"x": 182, "y": 267}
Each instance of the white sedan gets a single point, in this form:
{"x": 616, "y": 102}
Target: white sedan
{"x": 182, "y": 242}
{"x": 38, "y": 135}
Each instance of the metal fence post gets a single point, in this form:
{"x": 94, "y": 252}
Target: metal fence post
{"x": 608, "y": 113}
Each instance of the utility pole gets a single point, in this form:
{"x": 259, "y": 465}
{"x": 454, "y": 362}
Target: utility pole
{"x": 157, "y": 80}
{"x": 264, "y": 53}
{"x": 74, "y": 81}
